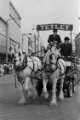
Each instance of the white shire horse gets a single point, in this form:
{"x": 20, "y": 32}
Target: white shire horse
{"x": 56, "y": 69}
{"x": 25, "y": 67}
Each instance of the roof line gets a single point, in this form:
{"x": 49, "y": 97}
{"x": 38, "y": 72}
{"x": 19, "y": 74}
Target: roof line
{"x": 3, "y": 20}
{"x": 15, "y": 10}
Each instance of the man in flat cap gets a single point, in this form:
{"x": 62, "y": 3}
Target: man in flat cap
{"x": 54, "y": 37}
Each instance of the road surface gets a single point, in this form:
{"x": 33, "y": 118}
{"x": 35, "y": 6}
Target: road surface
{"x": 68, "y": 109}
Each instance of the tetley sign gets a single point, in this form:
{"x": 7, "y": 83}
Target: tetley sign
{"x": 44, "y": 27}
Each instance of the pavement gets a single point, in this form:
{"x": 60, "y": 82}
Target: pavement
{"x": 68, "y": 109}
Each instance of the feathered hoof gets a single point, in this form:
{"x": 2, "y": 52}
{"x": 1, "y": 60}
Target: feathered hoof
{"x": 61, "y": 96}
{"x": 22, "y": 101}
{"x": 33, "y": 97}
{"x": 53, "y": 102}
{"x": 45, "y": 95}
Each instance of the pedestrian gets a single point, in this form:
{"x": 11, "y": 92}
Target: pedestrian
{"x": 66, "y": 48}
{"x": 11, "y": 54}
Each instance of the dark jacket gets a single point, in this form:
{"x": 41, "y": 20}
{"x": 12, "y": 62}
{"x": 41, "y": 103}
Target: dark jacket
{"x": 54, "y": 38}
{"x": 66, "y": 49}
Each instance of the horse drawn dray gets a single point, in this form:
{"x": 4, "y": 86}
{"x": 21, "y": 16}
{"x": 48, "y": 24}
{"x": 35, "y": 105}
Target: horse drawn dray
{"x": 35, "y": 78}
{"x": 57, "y": 80}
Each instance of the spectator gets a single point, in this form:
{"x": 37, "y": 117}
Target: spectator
{"x": 11, "y": 54}
{"x": 66, "y": 48}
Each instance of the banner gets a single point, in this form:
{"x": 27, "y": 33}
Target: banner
{"x": 44, "y": 27}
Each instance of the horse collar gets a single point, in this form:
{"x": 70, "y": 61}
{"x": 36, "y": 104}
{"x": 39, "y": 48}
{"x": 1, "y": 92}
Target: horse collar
{"x": 23, "y": 66}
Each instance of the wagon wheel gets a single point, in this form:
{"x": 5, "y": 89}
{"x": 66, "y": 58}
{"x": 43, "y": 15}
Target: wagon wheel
{"x": 70, "y": 90}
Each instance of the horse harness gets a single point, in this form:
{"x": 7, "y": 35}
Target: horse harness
{"x": 48, "y": 66}
{"x": 22, "y": 66}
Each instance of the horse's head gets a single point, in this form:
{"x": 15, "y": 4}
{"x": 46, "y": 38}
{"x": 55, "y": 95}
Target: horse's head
{"x": 18, "y": 58}
{"x": 53, "y": 58}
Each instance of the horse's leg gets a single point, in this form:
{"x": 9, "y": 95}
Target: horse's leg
{"x": 45, "y": 92}
{"x": 20, "y": 86}
{"x": 61, "y": 95}
{"x": 63, "y": 67}
{"x": 22, "y": 99}
{"x": 54, "y": 78}
{"x": 27, "y": 86}
{"x": 53, "y": 98}
{"x": 30, "y": 88}
{"x": 15, "y": 78}
{"x": 34, "y": 89}
{"x": 24, "y": 91}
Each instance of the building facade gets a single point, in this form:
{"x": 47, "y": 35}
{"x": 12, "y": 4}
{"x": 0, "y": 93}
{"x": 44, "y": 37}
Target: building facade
{"x": 39, "y": 45}
{"x": 10, "y": 25}
{"x": 4, "y": 13}
{"x": 77, "y": 45}
{"x": 3, "y": 29}
{"x": 4, "y": 9}
{"x": 28, "y": 43}
{"x": 14, "y": 26}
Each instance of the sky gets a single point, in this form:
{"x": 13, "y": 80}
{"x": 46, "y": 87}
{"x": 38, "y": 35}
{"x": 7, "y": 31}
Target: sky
{"x": 35, "y": 12}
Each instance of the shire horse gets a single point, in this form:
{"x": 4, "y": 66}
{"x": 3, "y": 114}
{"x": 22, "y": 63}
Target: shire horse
{"x": 26, "y": 66}
{"x": 54, "y": 71}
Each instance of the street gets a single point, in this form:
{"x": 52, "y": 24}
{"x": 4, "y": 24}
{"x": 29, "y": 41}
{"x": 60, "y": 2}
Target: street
{"x": 68, "y": 109}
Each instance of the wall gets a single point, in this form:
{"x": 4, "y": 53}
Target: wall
{"x": 2, "y": 36}
{"x": 4, "y": 9}
{"x": 77, "y": 45}
{"x": 14, "y": 31}
{"x": 25, "y": 43}
{"x": 14, "y": 25}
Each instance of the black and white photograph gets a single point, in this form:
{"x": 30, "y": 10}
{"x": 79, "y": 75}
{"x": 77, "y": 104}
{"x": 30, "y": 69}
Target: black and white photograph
{"x": 39, "y": 59}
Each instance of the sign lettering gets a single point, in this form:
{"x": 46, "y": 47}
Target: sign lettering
{"x": 65, "y": 27}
